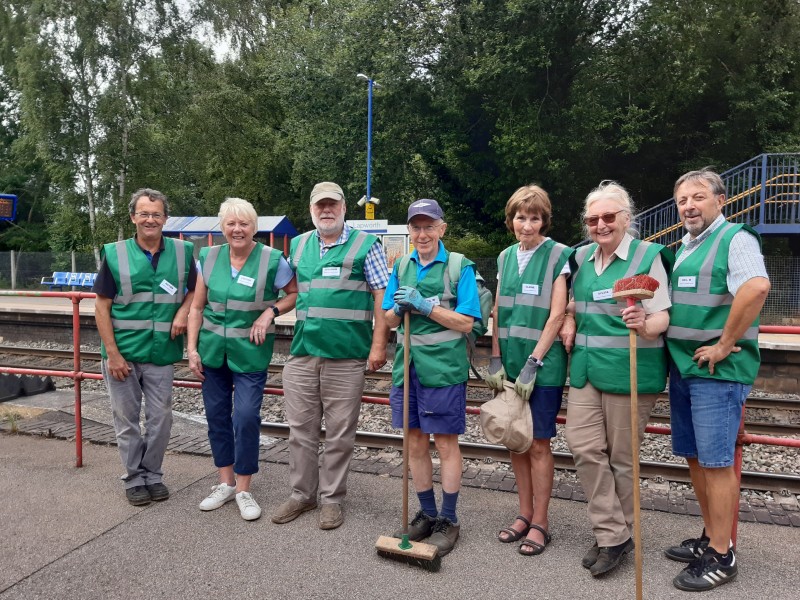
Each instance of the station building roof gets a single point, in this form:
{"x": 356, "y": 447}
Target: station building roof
{"x": 204, "y": 225}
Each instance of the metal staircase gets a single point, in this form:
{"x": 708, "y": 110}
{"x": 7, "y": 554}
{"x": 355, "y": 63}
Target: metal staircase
{"x": 763, "y": 192}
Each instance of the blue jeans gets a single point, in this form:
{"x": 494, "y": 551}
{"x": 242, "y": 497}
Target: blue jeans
{"x": 705, "y": 416}
{"x": 234, "y": 416}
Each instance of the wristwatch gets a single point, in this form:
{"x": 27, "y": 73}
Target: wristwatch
{"x": 536, "y": 361}
{"x": 275, "y": 310}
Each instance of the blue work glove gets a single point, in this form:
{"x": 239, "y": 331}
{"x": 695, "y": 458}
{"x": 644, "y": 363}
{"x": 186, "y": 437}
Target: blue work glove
{"x": 497, "y": 374}
{"x": 409, "y": 297}
{"x": 527, "y": 377}
{"x": 400, "y": 310}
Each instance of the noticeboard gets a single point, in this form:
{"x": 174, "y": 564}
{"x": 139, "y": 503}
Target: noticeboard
{"x": 8, "y": 207}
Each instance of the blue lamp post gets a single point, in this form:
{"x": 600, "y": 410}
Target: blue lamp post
{"x": 371, "y": 84}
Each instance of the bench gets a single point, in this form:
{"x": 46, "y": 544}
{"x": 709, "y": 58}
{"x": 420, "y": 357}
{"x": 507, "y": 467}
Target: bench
{"x": 60, "y": 279}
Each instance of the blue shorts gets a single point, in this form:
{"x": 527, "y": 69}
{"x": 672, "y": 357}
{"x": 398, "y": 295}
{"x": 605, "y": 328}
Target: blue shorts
{"x": 431, "y": 410}
{"x": 545, "y": 402}
{"x": 705, "y": 416}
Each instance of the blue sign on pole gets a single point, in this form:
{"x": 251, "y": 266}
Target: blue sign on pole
{"x": 8, "y": 207}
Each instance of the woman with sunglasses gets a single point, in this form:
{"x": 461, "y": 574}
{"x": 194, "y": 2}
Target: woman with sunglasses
{"x": 529, "y": 309}
{"x": 596, "y": 331}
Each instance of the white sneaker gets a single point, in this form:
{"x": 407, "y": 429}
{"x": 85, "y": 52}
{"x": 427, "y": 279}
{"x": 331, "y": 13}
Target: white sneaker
{"x": 248, "y": 506}
{"x": 220, "y": 494}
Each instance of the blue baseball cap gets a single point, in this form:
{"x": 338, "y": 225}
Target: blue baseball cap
{"x": 426, "y": 207}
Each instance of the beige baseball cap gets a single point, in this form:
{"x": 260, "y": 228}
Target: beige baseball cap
{"x": 326, "y": 189}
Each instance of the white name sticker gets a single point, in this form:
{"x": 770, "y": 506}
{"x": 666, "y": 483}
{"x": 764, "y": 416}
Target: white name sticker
{"x": 601, "y": 295}
{"x": 434, "y": 299}
{"x": 530, "y": 288}
{"x": 168, "y": 287}
{"x": 331, "y": 271}
{"x": 687, "y": 281}
{"x": 245, "y": 280}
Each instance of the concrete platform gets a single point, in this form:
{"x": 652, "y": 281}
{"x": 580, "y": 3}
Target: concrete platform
{"x": 69, "y": 533}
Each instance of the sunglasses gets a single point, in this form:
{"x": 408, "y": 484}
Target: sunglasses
{"x": 608, "y": 217}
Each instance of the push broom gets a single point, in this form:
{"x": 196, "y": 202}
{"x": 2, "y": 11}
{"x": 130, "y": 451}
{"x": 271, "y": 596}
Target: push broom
{"x": 631, "y": 289}
{"x": 404, "y": 550}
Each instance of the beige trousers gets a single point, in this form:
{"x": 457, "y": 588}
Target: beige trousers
{"x": 598, "y": 433}
{"x": 315, "y": 388}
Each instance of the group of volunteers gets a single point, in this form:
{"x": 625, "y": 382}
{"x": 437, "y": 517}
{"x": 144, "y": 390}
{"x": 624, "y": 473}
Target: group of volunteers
{"x": 554, "y": 316}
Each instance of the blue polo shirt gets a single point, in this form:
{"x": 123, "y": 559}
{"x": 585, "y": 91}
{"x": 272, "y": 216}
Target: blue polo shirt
{"x": 467, "y": 301}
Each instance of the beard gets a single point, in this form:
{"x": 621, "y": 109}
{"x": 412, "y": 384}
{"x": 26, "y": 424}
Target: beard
{"x": 327, "y": 230}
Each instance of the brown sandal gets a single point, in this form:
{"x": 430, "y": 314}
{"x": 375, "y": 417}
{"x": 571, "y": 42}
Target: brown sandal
{"x": 512, "y": 534}
{"x": 535, "y": 547}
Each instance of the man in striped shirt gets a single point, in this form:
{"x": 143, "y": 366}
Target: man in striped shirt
{"x": 719, "y": 285}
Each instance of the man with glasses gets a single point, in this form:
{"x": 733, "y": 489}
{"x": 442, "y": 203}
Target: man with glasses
{"x": 144, "y": 290}
{"x": 441, "y": 312}
{"x": 341, "y": 276}
{"x": 719, "y": 286}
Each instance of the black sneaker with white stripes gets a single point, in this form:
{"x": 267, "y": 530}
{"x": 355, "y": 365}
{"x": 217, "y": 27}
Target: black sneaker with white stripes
{"x": 707, "y": 572}
{"x": 688, "y": 550}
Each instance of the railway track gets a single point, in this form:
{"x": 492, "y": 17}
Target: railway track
{"x": 779, "y": 483}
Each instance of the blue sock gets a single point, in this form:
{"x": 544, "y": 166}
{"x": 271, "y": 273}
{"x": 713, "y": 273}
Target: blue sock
{"x": 427, "y": 502}
{"x": 449, "y": 502}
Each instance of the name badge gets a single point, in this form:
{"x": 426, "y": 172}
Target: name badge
{"x": 687, "y": 281}
{"x": 331, "y": 271}
{"x": 530, "y": 288}
{"x": 168, "y": 287}
{"x": 434, "y": 299}
{"x": 601, "y": 295}
{"x": 245, "y": 280}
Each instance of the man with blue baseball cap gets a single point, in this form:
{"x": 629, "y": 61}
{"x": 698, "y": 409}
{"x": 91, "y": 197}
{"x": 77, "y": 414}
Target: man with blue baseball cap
{"x": 441, "y": 311}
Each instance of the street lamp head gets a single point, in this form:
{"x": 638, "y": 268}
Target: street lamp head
{"x": 362, "y": 76}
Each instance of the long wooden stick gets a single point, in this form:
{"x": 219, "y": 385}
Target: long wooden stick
{"x": 637, "y": 519}
{"x": 406, "y": 377}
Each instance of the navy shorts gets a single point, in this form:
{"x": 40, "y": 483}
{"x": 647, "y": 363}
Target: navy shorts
{"x": 431, "y": 410}
{"x": 545, "y": 402}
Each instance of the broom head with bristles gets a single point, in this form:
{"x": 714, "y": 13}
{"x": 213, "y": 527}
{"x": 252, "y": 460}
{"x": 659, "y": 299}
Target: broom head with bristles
{"x": 637, "y": 287}
{"x": 415, "y": 554}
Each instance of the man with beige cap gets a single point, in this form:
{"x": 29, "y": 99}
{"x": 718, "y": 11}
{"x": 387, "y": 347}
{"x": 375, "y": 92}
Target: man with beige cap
{"x": 341, "y": 276}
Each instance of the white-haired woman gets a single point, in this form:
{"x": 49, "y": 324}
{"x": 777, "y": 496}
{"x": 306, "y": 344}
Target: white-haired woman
{"x": 230, "y": 339}
{"x": 596, "y": 331}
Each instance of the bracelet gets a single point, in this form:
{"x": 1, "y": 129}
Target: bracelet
{"x": 275, "y": 310}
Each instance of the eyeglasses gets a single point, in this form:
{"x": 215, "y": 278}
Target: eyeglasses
{"x": 427, "y": 228}
{"x": 147, "y": 215}
{"x": 608, "y": 217}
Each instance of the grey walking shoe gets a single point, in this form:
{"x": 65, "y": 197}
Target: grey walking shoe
{"x": 444, "y": 536}
{"x": 420, "y": 528}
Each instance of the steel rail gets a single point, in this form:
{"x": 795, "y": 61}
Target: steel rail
{"x": 772, "y": 482}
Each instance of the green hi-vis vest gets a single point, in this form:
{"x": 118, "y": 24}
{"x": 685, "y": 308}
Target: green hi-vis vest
{"x": 233, "y": 305}
{"x": 334, "y": 302}
{"x": 601, "y": 354}
{"x": 701, "y": 303}
{"x": 439, "y": 354}
{"x": 147, "y": 300}
{"x": 523, "y": 307}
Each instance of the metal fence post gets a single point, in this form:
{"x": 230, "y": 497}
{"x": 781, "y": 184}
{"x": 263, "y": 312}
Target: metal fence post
{"x": 13, "y": 271}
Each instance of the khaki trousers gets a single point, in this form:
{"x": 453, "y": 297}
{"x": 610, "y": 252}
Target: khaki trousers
{"x": 598, "y": 433}
{"x": 314, "y": 388}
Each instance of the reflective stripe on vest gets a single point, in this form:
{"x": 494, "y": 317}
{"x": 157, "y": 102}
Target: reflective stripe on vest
{"x": 708, "y": 307}
{"x": 142, "y": 311}
{"x": 439, "y": 354}
{"x": 521, "y": 318}
{"x": 233, "y": 306}
{"x": 601, "y": 352}
{"x": 334, "y": 312}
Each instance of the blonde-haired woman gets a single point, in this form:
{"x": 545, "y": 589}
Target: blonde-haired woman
{"x": 598, "y": 427}
{"x": 230, "y": 340}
